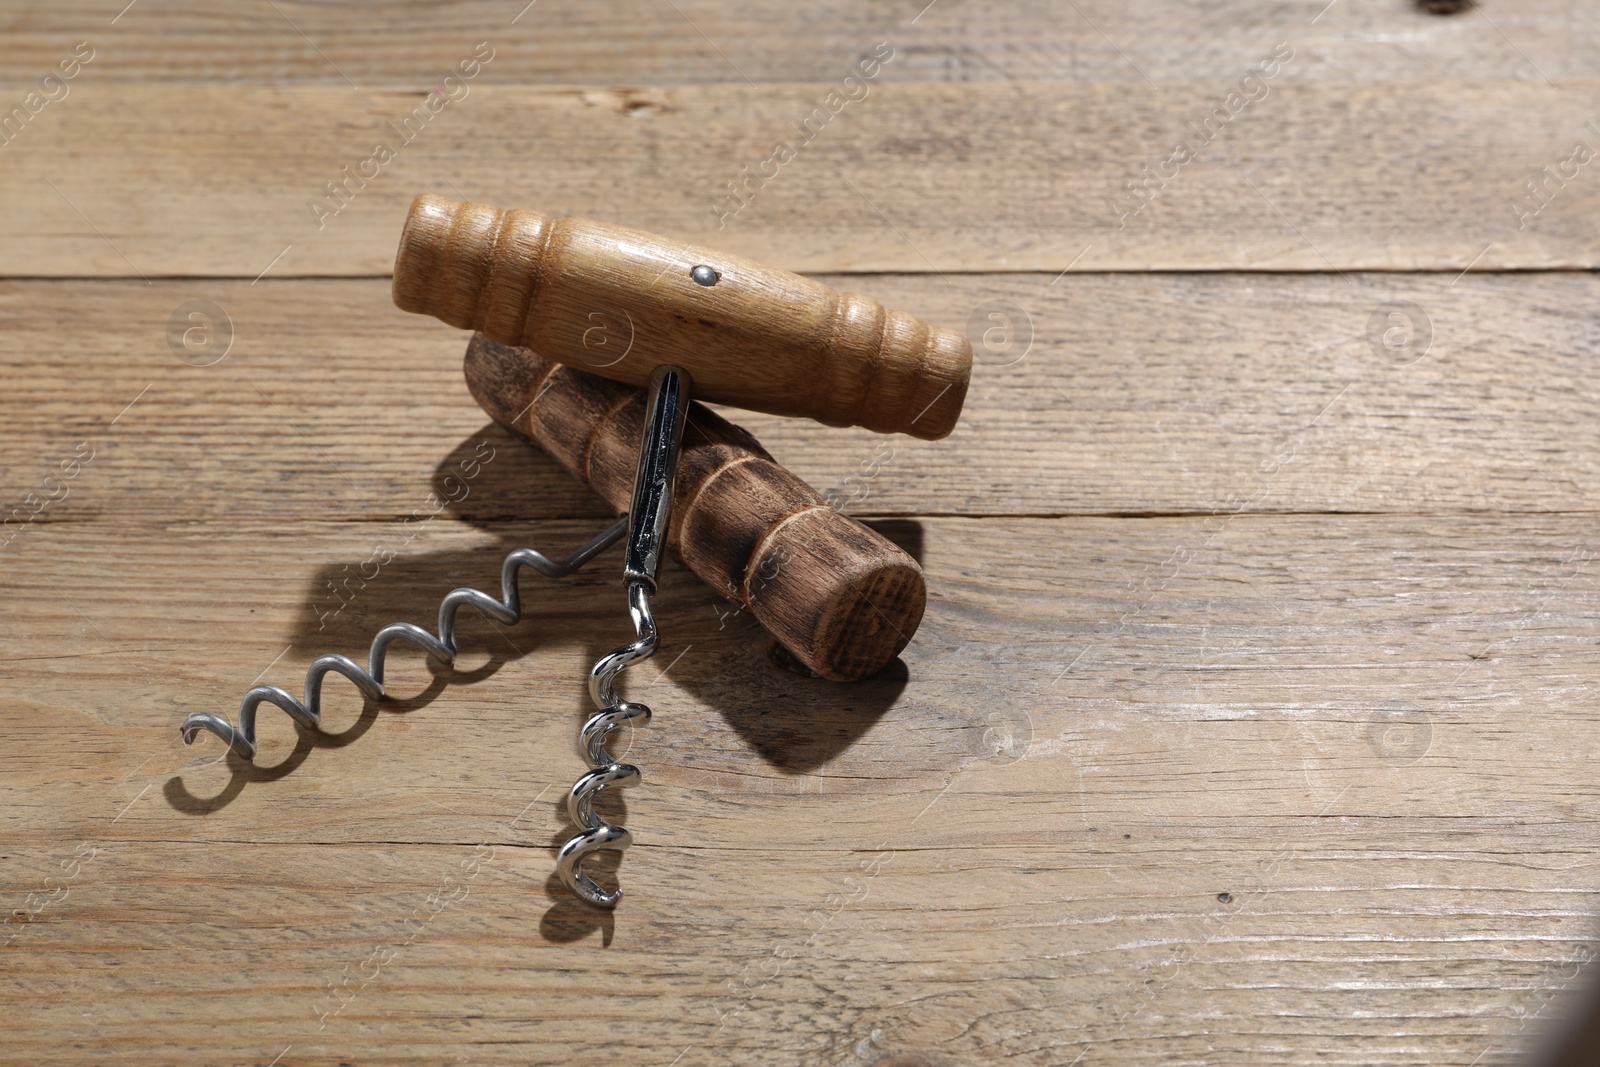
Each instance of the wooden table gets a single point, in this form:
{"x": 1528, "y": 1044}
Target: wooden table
{"x": 1252, "y": 719}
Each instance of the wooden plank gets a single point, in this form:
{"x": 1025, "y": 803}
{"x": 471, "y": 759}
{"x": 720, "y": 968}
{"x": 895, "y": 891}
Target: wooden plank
{"x": 1331, "y": 720}
{"x": 638, "y": 42}
{"x": 133, "y": 180}
{"x": 1146, "y": 394}
{"x": 1180, "y": 768}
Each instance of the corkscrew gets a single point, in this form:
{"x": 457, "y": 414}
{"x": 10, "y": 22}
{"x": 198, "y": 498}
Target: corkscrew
{"x": 838, "y": 597}
{"x": 646, "y": 529}
{"x": 647, "y": 536}
{"x": 307, "y": 711}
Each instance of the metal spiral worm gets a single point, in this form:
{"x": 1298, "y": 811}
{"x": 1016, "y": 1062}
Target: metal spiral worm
{"x": 308, "y": 710}
{"x": 606, "y": 771}
{"x": 665, "y": 408}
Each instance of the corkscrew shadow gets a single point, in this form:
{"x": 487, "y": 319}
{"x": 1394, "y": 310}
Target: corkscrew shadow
{"x": 800, "y": 724}
{"x": 569, "y": 919}
{"x": 240, "y": 773}
{"x": 246, "y": 772}
{"x": 906, "y": 533}
{"x": 491, "y": 480}
{"x": 501, "y": 485}
{"x": 795, "y": 721}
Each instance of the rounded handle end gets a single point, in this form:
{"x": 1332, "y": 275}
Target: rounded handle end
{"x": 470, "y": 265}
{"x": 896, "y": 374}
{"x": 420, "y": 260}
{"x": 932, "y": 403}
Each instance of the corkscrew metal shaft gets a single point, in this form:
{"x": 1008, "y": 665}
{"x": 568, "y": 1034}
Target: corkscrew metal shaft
{"x": 647, "y": 537}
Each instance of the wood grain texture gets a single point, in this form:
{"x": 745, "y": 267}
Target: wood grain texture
{"x": 640, "y": 42}
{"x": 1329, "y": 720}
{"x": 910, "y": 177}
{"x": 620, "y": 303}
{"x": 1251, "y": 720}
{"x": 1149, "y": 394}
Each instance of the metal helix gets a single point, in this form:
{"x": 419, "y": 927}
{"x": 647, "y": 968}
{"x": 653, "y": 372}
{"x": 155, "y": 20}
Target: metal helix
{"x": 666, "y": 407}
{"x": 606, "y": 771}
{"x": 308, "y": 711}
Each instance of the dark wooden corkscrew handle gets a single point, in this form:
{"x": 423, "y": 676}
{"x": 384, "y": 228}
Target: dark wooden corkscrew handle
{"x": 842, "y": 599}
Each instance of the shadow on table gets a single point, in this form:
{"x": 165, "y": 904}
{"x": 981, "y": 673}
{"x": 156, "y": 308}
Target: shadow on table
{"x": 496, "y": 482}
{"x": 1570, "y": 1036}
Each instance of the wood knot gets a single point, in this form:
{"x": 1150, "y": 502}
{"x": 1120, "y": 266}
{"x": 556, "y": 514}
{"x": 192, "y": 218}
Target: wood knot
{"x": 634, "y": 103}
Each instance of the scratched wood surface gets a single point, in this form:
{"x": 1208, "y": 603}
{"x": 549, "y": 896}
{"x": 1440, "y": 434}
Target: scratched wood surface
{"x": 989, "y": 176}
{"x": 698, "y": 41}
{"x": 1251, "y": 720}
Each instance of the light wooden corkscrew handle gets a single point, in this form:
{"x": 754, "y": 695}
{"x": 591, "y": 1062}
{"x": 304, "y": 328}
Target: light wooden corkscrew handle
{"x": 618, "y": 303}
{"x": 839, "y": 596}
